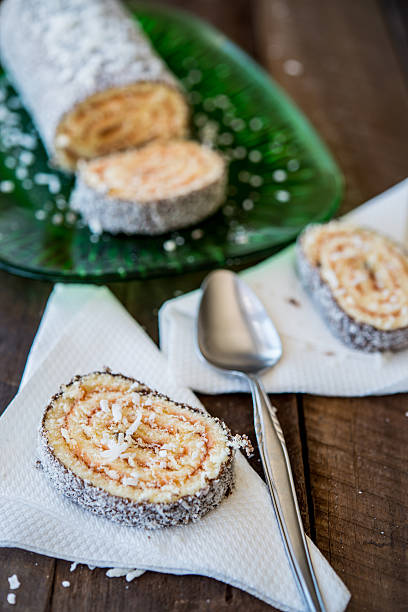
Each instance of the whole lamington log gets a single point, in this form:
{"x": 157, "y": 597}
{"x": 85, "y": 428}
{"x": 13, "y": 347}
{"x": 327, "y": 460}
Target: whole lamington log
{"x": 89, "y": 77}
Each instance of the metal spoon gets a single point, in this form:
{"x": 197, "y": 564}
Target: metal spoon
{"x": 235, "y": 333}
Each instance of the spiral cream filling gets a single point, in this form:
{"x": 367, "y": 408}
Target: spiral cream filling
{"x": 134, "y": 444}
{"x": 120, "y": 118}
{"x": 159, "y": 170}
{"x": 366, "y": 272}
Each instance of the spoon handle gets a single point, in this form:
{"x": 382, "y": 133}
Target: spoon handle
{"x": 276, "y": 465}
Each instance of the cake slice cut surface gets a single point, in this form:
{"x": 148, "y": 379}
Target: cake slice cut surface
{"x": 165, "y": 185}
{"x": 132, "y": 455}
{"x": 359, "y": 280}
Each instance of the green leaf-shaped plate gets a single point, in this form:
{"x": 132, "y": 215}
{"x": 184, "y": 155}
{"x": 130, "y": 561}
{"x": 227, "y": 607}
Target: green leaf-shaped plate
{"x": 281, "y": 176}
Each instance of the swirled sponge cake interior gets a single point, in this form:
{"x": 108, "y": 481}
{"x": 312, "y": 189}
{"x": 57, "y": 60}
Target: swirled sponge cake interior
{"x": 359, "y": 280}
{"x": 130, "y": 454}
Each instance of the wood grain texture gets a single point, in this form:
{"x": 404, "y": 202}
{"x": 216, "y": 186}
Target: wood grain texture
{"x": 359, "y": 485}
{"x": 352, "y": 82}
{"x": 22, "y": 303}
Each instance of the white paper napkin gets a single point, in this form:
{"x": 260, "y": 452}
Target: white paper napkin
{"x": 313, "y": 361}
{"x": 238, "y": 543}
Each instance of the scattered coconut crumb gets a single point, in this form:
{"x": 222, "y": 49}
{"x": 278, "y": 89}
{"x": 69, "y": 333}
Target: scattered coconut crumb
{"x": 242, "y": 441}
{"x": 118, "y": 572}
{"x": 169, "y": 245}
{"x": 73, "y": 566}
{"x": 134, "y": 574}
{"x": 14, "y": 582}
{"x": 11, "y": 598}
{"x": 66, "y": 584}
{"x": 6, "y": 186}
{"x": 95, "y": 226}
{"x": 293, "y": 67}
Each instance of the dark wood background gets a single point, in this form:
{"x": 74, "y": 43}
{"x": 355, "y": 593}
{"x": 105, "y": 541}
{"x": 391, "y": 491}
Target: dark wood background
{"x": 349, "y": 455}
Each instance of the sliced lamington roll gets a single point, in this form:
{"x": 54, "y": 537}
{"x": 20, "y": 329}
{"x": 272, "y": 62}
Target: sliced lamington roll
{"x": 89, "y": 77}
{"x": 359, "y": 281}
{"x": 162, "y": 186}
{"x": 132, "y": 455}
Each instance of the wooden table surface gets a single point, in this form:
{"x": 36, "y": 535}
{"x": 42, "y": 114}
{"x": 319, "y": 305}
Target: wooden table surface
{"x": 349, "y": 455}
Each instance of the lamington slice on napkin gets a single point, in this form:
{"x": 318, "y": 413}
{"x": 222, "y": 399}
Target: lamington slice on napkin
{"x": 97, "y": 331}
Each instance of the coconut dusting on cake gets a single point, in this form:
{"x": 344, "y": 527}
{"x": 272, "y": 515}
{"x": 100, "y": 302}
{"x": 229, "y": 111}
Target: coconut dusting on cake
{"x": 153, "y": 463}
{"x": 62, "y": 54}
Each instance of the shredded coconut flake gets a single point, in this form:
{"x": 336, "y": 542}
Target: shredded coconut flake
{"x": 65, "y": 434}
{"x": 136, "y": 398}
{"x": 14, "y": 582}
{"x": 117, "y": 572}
{"x": 134, "y": 574}
{"x": 132, "y": 428}
{"x": 66, "y": 583}
{"x": 130, "y": 481}
{"x": 117, "y": 412}
{"x": 104, "y": 405}
{"x": 134, "y": 386}
{"x": 114, "y": 451}
{"x": 11, "y": 598}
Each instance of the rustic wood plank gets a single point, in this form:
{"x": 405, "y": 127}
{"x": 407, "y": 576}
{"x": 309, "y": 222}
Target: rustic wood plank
{"x": 21, "y": 306}
{"x": 396, "y": 17}
{"x": 35, "y": 573}
{"x": 347, "y": 79}
{"x": 358, "y": 471}
{"x": 234, "y": 19}
{"x": 93, "y": 591}
{"x": 344, "y": 52}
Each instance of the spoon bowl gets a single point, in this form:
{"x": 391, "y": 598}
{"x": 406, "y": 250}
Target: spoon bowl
{"x": 234, "y": 330}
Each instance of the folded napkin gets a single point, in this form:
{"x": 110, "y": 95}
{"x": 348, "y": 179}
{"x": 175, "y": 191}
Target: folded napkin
{"x": 313, "y": 361}
{"x": 84, "y": 329}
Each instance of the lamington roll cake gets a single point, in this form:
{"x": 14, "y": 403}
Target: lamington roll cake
{"x": 359, "y": 281}
{"x": 162, "y": 186}
{"x": 132, "y": 455}
{"x": 89, "y": 77}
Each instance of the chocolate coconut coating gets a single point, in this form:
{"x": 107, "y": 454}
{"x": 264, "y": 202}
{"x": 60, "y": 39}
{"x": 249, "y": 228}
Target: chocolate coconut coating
{"x": 58, "y": 53}
{"x": 354, "y": 334}
{"x": 146, "y": 515}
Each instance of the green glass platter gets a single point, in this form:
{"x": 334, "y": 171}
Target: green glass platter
{"x": 281, "y": 176}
